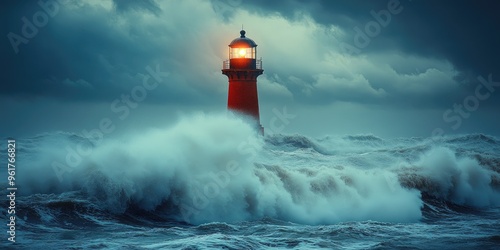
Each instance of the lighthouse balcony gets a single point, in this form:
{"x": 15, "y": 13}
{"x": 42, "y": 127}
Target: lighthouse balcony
{"x": 242, "y": 64}
{"x": 258, "y": 64}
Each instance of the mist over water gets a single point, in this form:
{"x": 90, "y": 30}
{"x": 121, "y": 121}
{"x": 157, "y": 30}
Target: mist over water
{"x": 216, "y": 168}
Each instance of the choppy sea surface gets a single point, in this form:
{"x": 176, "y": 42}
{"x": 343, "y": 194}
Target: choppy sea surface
{"x": 210, "y": 182}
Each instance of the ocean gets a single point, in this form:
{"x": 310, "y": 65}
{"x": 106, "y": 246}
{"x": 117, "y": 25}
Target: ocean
{"x": 210, "y": 182}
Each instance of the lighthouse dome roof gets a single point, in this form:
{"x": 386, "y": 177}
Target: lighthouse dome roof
{"x": 242, "y": 42}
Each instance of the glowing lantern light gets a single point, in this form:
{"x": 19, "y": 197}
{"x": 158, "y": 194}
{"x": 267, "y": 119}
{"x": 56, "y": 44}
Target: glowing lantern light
{"x": 242, "y": 52}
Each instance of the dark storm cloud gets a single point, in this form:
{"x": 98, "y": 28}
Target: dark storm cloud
{"x": 464, "y": 32}
{"x": 89, "y": 53}
{"x": 149, "y": 5}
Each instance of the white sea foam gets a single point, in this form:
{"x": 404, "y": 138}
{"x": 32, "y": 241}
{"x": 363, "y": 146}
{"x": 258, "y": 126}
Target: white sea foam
{"x": 460, "y": 180}
{"x": 212, "y": 168}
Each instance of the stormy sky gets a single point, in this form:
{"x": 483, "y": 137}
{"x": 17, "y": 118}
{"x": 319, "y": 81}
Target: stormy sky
{"x": 386, "y": 67}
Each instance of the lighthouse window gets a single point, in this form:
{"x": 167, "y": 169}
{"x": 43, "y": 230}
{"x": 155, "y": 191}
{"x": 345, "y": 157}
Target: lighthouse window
{"x": 248, "y": 53}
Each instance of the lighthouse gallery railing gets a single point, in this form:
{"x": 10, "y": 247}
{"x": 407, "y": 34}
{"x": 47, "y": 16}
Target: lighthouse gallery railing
{"x": 227, "y": 64}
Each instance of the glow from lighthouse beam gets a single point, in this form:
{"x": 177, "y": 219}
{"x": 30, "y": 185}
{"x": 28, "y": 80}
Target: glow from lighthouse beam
{"x": 242, "y": 52}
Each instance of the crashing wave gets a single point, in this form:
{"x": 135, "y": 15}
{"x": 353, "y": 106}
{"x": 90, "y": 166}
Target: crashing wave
{"x": 212, "y": 168}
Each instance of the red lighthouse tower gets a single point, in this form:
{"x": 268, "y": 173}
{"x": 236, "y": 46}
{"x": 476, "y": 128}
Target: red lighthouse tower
{"x": 242, "y": 69}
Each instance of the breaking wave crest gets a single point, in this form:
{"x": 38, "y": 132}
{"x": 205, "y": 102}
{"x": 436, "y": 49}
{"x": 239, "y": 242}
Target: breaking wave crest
{"x": 462, "y": 181}
{"x": 216, "y": 168}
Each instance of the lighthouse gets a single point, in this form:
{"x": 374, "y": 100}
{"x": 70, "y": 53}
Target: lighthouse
{"x": 242, "y": 70}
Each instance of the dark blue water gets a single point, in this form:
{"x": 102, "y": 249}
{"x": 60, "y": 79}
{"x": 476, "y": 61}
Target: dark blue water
{"x": 223, "y": 187}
